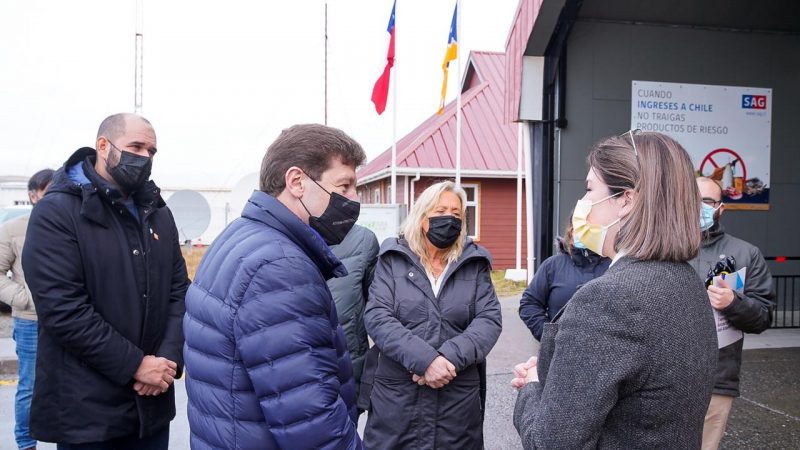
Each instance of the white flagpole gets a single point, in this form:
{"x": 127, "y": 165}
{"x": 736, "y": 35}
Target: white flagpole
{"x": 458, "y": 99}
{"x": 393, "y": 188}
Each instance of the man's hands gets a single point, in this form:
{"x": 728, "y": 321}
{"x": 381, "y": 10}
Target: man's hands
{"x": 437, "y": 375}
{"x": 721, "y": 297}
{"x": 525, "y": 373}
{"x": 154, "y": 375}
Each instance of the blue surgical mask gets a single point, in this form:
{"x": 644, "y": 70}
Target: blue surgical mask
{"x": 576, "y": 242}
{"x": 707, "y": 216}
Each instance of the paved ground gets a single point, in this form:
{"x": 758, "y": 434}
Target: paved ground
{"x": 766, "y": 416}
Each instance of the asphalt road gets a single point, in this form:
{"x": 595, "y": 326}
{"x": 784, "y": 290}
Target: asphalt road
{"x": 766, "y": 416}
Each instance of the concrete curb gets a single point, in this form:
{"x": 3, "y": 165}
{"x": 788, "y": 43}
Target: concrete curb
{"x": 8, "y": 367}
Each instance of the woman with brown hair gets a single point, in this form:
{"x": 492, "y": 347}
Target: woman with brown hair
{"x": 629, "y": 362}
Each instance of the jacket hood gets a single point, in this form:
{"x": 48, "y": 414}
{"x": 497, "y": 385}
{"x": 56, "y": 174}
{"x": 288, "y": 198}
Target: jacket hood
{"x": 82, "y": 161}
{"x": 268, "y": 210}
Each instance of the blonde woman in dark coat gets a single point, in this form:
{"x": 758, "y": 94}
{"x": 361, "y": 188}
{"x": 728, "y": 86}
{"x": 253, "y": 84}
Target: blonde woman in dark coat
{"x": 434, "y": 315}
{"x": 630, "y": 361}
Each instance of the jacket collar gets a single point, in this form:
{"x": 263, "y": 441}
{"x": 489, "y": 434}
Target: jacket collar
{"x": 713, "y": 234}
{"x": 471, "y": 251}
{"x": 98, "y": 191}
{"x": 268, "y": 210}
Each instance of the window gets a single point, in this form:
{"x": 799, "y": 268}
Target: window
{"x": 471, "y": 218}
{"x": 376, "y": 196}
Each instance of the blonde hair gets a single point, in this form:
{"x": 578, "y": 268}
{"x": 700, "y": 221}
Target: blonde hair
{"x": 664, "y": 222}
{"x": 411, "y": 229}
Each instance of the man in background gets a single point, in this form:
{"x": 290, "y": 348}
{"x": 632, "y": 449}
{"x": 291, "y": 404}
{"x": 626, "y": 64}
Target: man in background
{"x": 359, "y": 254}
{"x": 106, "y": 273}
{"x": 15, "y": 293}
{"x": 750, "y": 311}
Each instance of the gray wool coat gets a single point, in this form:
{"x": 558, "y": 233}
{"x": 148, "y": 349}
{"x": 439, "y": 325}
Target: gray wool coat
{"x": 629, "y": 364}
{"x": 412, "y": 327}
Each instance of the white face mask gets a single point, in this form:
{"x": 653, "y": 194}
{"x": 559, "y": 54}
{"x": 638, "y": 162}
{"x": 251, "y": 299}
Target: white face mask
{"x": 592, "y": 235}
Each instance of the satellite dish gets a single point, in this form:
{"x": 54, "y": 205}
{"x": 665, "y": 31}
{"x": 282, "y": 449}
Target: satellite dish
{"x": 192, "y": 214}
{"x": 240, "y": 193}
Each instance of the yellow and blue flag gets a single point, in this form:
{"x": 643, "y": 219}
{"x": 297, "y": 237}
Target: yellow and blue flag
{"x": 450, "y": 55}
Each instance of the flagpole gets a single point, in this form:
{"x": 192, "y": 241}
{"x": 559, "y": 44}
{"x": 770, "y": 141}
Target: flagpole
{"x": 459, "y": 40}
{"x": 393, "y": 188}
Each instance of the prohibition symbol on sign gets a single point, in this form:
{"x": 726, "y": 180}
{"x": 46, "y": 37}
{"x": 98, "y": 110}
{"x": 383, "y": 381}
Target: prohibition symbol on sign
{"x": 718, "y": 152}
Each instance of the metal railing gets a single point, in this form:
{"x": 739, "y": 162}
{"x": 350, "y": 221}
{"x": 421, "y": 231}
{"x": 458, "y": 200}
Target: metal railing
{"x": 787, "y": 301}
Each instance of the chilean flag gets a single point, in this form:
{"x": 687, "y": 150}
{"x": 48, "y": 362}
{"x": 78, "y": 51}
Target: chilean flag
{"x": 380, "y": 92}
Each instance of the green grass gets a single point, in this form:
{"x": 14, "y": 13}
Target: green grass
{"x": 506, "y": 288}
{"x": 503, "y": 287}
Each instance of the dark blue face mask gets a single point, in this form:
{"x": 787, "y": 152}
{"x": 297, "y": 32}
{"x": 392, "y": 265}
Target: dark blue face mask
{"x": 443, "y": 231}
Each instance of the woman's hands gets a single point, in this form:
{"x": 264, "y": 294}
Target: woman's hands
{"x": 524, "y": 373}
{"x": 437, "y": 375}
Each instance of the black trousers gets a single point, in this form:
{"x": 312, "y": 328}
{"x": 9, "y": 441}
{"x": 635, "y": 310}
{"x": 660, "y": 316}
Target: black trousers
{"x": 158, "y": 441}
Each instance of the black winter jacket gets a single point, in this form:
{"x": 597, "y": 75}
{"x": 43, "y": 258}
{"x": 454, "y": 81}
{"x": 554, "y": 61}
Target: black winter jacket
{"x": 109, "y": 290}
{"x": 750, "y": 312}
{"x": 411, "y": 326}
{"x": 555, "y": 282}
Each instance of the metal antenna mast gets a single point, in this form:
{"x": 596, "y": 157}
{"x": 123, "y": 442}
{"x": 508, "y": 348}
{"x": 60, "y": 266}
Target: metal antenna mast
{"x": 139, "y": 64}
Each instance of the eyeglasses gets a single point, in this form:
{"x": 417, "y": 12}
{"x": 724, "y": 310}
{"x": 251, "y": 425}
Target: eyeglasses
{"x": 633, "y": 132}
{"x": 711, "y": 202}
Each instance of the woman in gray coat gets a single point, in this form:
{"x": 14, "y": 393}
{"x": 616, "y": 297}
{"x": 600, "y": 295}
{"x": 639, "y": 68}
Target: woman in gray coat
{"x": 629, "y": 363}
{"x": 434, "y": 315}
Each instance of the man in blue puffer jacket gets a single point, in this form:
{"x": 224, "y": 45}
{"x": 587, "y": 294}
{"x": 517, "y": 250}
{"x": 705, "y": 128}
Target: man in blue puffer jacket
{"x": 266, "y": 359}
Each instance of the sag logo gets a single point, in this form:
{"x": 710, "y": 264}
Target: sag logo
{"x": 754, "y": 101}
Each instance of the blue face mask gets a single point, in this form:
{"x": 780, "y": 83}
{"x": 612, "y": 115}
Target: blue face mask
{"x": 707, "y": 216}
{"x": 576, "y": 242}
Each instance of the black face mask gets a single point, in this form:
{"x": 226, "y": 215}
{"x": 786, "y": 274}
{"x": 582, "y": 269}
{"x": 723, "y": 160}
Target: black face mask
{"x": 131, "y": 171}
{"x": 443, "y": 231}
{"x": 337, "y": 219}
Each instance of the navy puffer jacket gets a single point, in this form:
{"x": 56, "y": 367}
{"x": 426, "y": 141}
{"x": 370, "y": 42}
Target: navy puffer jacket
{"x": 266, "y": 360}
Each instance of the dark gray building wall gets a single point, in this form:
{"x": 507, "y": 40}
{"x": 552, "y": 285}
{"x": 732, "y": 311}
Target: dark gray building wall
{"x": 603, "y": 59}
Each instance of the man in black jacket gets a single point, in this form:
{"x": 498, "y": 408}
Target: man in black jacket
{"x": 750, "y": 311}
{"x": 105, "y": 270}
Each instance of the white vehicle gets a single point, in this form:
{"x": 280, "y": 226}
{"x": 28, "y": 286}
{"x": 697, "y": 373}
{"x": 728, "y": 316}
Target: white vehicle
{"x": 9, "y": 212}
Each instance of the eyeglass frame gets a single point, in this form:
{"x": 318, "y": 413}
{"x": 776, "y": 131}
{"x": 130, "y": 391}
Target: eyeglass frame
{"x": 711, "y": 202}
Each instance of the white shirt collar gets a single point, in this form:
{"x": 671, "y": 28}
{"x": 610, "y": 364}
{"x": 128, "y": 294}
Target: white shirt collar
{"x": 617, "y": 258}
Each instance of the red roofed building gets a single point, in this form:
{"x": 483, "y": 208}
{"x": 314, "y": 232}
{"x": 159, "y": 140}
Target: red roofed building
{"x": 488, "y": 159}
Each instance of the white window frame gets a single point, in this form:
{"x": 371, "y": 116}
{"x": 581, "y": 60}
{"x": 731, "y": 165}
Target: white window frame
{"x": 476, "y": 204}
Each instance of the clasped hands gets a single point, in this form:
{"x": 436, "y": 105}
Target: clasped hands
{"x": 437, "y": 375}
{"x": 154, "y": 375}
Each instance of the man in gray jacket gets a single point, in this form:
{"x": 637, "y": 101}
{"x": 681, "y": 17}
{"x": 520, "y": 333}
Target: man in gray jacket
{"x": 359, "y": 253}
{"x": 750, "y": 312}
{"x": 15, "y": 293}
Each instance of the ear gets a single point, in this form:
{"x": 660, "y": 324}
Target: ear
{"x": 33, "y": 197}
{"x": 627, "y": 198}
{"x": 720, "y": 210}
{"x": 102, "y": 146}
{"x": 294, "y": 181}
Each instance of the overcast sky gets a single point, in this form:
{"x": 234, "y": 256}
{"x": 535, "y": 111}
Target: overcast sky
{"x": 221, "y": 79}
